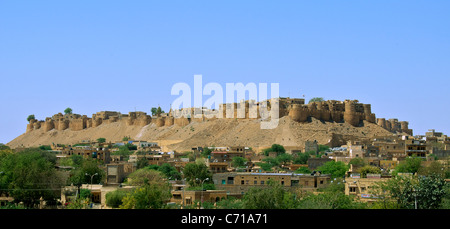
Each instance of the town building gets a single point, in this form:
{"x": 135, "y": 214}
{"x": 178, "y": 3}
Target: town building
{"x": 240, "y": 183}
{"x": 362, "y": 188}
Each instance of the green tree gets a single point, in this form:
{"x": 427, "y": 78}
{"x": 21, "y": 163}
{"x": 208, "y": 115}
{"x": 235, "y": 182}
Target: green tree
{"x": 77, "y": 160}
{"x": 206, "y": 151}
{"x": 145, "y": 176}
{"x": 147, "y": 197}
{"x": 85, "y": 193}
{"x": 302, "y": 158}
{"x": 45, "y": 147}
{"x": 123, "y": 151}
{"x": 101, "y": 140}
{"x": 272, "y": 197}
{"x": 230, "y": 203}
{"x": 335, "y": 169}
{"x": 12, "y": 206}
{"x": 284, "y": 159}
{"x": 273, "y": 162}
{"x": 131, "y": 146}
{"x": 89, "y": 167}
{"x": 30, "y": 117}
{"x": 114, "y": 198}
{"x": 434, "y": 168}
{"x": 368, "y": 169}
{"x": 316, "y": 99}
{"x": 329, "y": 200}
{"x": 357, "y": 161}
{"x": 159, "y": 111}
{"x": 430, "y": 192}
{"x": 4, "y": 151}
{"x": 78, "y": 203}
{"x": 29, "y": 175}
{"x": 303, "y": 170}
{"x": 446, "y": 199}
{"x": 153, "y": 167}
{"x": 265, "y": 166}
{"x": 409, "y": 165}
{"x": 74, "y": 161}
{"x": 323, "y": 148}
{"x": 278, "y": 148}
{"x": 68, "y": 110}
{"x": 141, "y": 163}
{"x": 169, "y": 171}
{"x": 275, "y": 148}
{"x": 195, "y": 173}
{"x": 425, "y": 192}
{"x": 238, "y": 162}
{"x": 154, "y": 110}
{"x": 4, "y": 147}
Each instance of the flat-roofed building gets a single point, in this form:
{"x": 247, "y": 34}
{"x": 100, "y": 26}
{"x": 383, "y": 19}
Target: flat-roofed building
{"x": 240, "y": 183}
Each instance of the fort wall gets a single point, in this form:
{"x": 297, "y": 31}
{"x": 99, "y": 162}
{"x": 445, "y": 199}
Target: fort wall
{"x": 48, "y": 125}
{"x": 349, "y": 111}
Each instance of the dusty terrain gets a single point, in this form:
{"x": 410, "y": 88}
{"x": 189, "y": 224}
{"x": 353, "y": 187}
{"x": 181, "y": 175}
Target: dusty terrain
{"x": 221, "y": 132}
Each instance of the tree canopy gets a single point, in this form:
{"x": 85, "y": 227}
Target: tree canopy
{"x": 273, "y": 197}
{"x": 147, "y": 197}
{"x": 409, "y": 165}
{"x": 29, "y": 175}
{"x": 275, "y": 148}
{"x": 157, "y": 111}
{"x": 30, "y": 117}
{"x": 316, "y": 99}
{"x": 145, "y": 176}
{"x": 167, "y": 170}
{"x": 152, "y": 192}
{"x": 68, "y": 110}
{"x": 195, "y": 173}
{"x": 89, "y": 167}
{"x": 336, "y": 169}
{"x": 410, "y": 192}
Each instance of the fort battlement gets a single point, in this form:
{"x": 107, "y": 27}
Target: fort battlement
{"x": 349, "y": 111}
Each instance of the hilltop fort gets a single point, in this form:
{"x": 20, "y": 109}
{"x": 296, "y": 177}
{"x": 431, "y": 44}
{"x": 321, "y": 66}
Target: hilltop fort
{"x": 349, "y": 111}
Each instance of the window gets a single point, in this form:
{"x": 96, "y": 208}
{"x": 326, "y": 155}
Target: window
{"x": 242, "y": 181}
{"x": 255, "y": 182}
{"x": 223, "y": 182}
{"x": 262, "y": 182}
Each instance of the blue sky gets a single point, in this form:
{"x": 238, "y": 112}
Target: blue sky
{"x": 126, "y": 55}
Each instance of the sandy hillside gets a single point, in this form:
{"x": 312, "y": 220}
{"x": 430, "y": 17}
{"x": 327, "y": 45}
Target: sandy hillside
{"x": 221, "y": 132}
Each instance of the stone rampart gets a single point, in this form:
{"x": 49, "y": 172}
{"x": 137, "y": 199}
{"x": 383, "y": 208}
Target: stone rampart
{"x": 348, "y": 111}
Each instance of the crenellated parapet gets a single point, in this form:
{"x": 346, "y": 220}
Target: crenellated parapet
{"x": 30, "y": 125}
{"x": 349, "y": 111}
{"x": 394, "y": 125}
{"x": 49, "y": 124}
{"x": 76, "y": 122}
{"x": 350, "y": 115}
